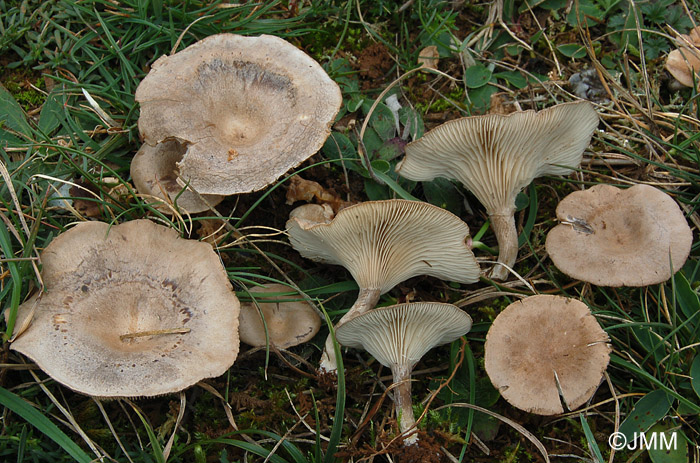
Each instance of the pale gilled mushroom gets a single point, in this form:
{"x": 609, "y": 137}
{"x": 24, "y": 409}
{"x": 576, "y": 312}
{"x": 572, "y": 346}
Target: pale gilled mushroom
{"x": 129, "y": 310}
{"x": 383, "y": 243}
{"x": 154, "y": 173}
{"x": 247, "y": 109}
{"x": 289, "y": 320}
{"x": 398, "y": 336}
{"x": 496, "y": 156}
{"x": 545, "y": 350}
{"x": 619, "y": 237}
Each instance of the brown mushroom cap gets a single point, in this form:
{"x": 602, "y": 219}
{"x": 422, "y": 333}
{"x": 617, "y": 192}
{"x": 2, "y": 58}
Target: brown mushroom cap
{"x": 383, "y": 243}
{"x": 248, "y": 109}
{"x": 107, "y": 288}
{"x": 619, "y": 237}
{"x": 496, "y": 156}
{"x": 538, "y": 340}
{"x": 684, "y": 62}
{"x": 289, "y": 322}
{"x": 154, "y": 172}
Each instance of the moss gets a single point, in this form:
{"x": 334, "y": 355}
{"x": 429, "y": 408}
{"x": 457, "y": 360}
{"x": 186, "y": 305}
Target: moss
{"x": 17, "y": 83}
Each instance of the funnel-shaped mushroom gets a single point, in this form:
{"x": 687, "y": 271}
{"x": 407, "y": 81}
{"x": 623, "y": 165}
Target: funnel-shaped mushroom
{"x": 130, "y": 310}
{"x": 545, "y": 350}
{"x": 496, "y": 156}
{"x": 614, "y": 237}
{"x": 289, "y": 320}
{"x": 398, "y": 336}
{"x": 154, "y": 172}
{"x": 248, "y": 109}
{"x": 383, "y": 243}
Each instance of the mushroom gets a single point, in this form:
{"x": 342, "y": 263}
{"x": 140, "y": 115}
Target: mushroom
{"x": 288, "y": 321}
{"x": 129, "y": 310}
{"x": 619, "y": 237}
{"x": 684, "y": 62}
{"x": 383, "y": 243}
{"x": 154, "y": 172}
{"x": 496, "y": 156}
{"x": 247, "y": 109}
{"x": 545, "y": 350}
{"x": 398, "y": 336}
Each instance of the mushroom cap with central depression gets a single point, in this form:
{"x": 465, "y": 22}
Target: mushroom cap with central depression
{"x": 247, "y": 109}
{"x": 130, "y": 310}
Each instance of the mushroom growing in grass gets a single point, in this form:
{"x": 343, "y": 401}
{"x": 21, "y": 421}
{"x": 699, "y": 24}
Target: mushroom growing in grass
{"x": 289, "y": 320}
{"x": 129, "y": 310}
{"x": 545, "y": 351}
{"x": 247, "y": 109}
{"x": 496, "y": 156}
{"x": 383, "y": 243}
{"x": 684, "y": 62}
{"x": 154, "y": 173}
{"x": 619, "y": 237}
{"x": 398, "y": 336}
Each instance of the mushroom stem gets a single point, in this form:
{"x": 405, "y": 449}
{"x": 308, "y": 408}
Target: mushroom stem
{"x": 403, "y": 402}
{"x": 503, "y": 225}
{"x": 366, "y": 299}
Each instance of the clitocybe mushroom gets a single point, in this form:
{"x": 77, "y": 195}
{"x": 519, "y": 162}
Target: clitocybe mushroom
{"x": 545, "y": 350}
{"x": 129, "y": 310}
{"x": 383, "y": 243}
{"x": 684, "y": 62}
{"x": 154, "y": 172}
{"x": 619, "y": 237}
{"x": 289, "y": 320}
{"x": 398, "y": 336}
{"x": 496, "y": 156}
{"x": 247, "y": 109}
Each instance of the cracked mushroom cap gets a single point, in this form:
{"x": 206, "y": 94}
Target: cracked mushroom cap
{"x": 383, "y": 243}
{"x": 248, "y": 109}
{"x": 154, "y": 173}
{"x": 539, "y": 341}
{"x": 129, "y": 310}
{"x": 402, "y": 334}
{"x": 289, "y": 321}
{"x": 619, "y": 237}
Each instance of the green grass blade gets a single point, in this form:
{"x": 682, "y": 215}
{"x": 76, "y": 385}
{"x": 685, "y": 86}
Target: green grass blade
{"x": 155, "y": 444}
{"x": 592, "y": 444}
{"x": 695, "y": 375}
{"x": 43, "y": 424}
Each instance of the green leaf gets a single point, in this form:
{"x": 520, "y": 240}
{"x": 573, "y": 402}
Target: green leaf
{"x": 687, "y": 298}
{"x": 376, "y": 192}
{"x": 646, "y": 412}
{"x": 12, "y": 117}
{"x": 592, "y": 444}
{"x": 481, "y": 98}
{"x": 514, "y": 78}
{"x": 477, "y": 76}
{"x": 339, "y": 146}
{"x": 354, "y": 103}
{"x": 572, "y": 50}
{"x": 51, "y": 112}
{"x": 443, "y": 193}
{"x": 584, "y": 12}
{"x": 695, "y": 375}
{"x": 670, "y": 445}
{"x": 383, "y": 122}
{"x": 39, "y": 421}
{"x": 409, "y": 117}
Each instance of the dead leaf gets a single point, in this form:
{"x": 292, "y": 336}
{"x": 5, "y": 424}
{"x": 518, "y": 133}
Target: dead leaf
{"x": 429, "y": 57}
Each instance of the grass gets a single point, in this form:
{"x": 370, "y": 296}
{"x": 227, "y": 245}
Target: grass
{"x": 69, "y": 130}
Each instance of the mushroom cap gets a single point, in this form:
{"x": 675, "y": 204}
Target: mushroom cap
{"x": 103, "y": 282}
{"x": 248, "y": 109}
{"x": 401, "y": 334}
{"x": 619, "y": 237}
{"x": 312, "y": 214}
{"x": 496, "y": 156}
{"x": 289, "y": 322}
{"x": 154, "y": 172}
{"x": 539, "y": 337}
{"x": 683, "y": 63}
{"x": 383, "y": 243}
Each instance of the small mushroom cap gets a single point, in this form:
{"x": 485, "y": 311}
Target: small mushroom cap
{"x": 154, "y": 172}
{"x": 684, "y": 63}
{"x": 383, "y": 243}
{"x": 539, "y": 337}
{"x": 289, "y": 322}
{"x": 619, "y": 237}
{"x": 312, "y": 214}
{"x": 496, "y": 156}
{"x": 248, "y": 108}
{"x": 106, "y": 288}
{"x": 402, "y": 334}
